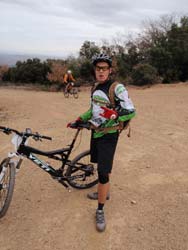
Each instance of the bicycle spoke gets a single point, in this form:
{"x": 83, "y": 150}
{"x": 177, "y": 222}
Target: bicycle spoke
{"x": 82, "y": 173}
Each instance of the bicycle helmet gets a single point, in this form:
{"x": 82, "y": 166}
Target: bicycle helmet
{"x": 69, "y": 71}
{"x": 102, "y": 58}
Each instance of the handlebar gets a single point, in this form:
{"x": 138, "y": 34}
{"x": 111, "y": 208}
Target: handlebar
{"x": 79, "y": 125}
{"x": 9, "y": 130}
{"x": 36, "y": 136}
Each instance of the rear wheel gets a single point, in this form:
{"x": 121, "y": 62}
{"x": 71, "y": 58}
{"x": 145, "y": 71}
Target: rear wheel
{"x": 82, "y": 173}
{"x": 7, "y": 181}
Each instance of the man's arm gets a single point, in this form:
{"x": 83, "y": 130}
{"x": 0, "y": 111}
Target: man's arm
{"x": 125, "y": 109}
{"x": 86, "y": 116}
{"x": 65, "y": 78}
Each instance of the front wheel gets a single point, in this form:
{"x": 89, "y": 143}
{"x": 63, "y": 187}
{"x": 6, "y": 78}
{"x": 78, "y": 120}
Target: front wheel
{"x": 7, "y": 181}
{"x": 82, "y": 173}
{"x": 75, "y": 93}
{"x": 66, "y": 93}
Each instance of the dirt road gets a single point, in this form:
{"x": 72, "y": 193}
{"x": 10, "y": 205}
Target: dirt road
{"x": 148, "y": 209}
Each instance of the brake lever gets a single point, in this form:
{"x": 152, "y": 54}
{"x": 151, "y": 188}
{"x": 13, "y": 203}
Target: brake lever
{"x": 35, "y": 138}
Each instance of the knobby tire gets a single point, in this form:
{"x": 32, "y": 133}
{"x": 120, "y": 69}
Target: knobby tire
{"x": 82, "y": 161}
{"x": 7, "y": 186}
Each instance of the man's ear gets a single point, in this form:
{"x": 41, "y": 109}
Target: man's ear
{"x": 110, "y": 71}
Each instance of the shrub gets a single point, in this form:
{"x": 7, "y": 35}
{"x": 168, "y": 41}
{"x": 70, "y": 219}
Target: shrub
{"x": 144, "y": 74}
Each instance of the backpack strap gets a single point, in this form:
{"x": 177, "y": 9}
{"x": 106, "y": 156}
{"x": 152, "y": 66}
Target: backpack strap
{"x": 94, "y": 87}
{"x": 111, "y": 93}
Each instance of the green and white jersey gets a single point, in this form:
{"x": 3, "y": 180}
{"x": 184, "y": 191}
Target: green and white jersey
{"x": 100, "y": 98}
{"x": 122, "y": 95}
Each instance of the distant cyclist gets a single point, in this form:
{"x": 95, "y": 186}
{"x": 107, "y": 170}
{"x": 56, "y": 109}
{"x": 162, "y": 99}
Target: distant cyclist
{"x": 69, "y": 80}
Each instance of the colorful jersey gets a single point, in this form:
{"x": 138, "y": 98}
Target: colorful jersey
{"x": 99, "y": 98}
{"x": 68, "y": 78}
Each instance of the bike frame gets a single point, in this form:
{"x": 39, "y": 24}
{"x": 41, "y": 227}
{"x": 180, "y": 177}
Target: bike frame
{"x": 62, "y": 155}
{"x": 66, "y": 176}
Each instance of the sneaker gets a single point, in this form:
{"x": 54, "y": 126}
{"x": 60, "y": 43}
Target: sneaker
{"x": 100, "y": 220}
{"x": 94, "y": 196}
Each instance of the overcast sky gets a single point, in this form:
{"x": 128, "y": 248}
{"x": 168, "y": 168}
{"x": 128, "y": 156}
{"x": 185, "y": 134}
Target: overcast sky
{"x": 59, "y": 27}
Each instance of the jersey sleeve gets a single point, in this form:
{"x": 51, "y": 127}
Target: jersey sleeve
{"x": 65, "y": 78}
{"x": 87, "y": 115}
{"x": 125, "y": 109}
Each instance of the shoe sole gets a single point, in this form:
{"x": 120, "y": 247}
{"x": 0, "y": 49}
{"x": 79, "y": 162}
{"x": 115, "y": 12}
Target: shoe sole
{"x": 100, "y": 229}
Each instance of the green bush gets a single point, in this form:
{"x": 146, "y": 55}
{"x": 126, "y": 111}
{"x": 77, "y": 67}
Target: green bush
{"x": 144, "y": 74}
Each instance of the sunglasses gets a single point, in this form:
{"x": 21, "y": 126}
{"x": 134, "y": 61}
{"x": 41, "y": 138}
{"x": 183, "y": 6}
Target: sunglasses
{"x": 102, "y": 68}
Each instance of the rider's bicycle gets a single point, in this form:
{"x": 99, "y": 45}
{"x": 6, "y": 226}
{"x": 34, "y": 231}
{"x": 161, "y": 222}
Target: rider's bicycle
{"x": 79, "y": 173}
{"x": 70, "y": 89}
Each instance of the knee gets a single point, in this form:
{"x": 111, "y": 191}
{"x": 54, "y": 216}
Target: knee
{"x": 103, "y": 178}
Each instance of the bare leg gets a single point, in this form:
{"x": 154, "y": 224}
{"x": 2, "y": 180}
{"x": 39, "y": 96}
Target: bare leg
{"x": 103, "y": 190}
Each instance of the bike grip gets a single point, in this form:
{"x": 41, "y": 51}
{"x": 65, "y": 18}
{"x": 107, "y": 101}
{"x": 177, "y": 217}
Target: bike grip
{"x": 74, "y": 124}
{"x": 1, "y": 127}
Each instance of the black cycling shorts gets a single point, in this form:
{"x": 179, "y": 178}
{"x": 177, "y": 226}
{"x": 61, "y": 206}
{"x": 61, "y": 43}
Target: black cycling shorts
{"x": 102, "y": 151}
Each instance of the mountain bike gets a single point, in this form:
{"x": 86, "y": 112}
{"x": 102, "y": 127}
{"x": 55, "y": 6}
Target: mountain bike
{"x": 79, "y": 173}
{"x": 70, "y": 89}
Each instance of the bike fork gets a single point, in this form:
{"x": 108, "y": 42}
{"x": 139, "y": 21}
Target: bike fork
{"x": 3, "y": 171}
{"x": 16, "y": 160}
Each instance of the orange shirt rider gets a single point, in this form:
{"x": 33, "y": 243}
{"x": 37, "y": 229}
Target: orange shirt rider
{"x": 68, "y": 77}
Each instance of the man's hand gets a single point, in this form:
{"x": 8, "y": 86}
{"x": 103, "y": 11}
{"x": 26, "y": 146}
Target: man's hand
{"x": 109, "y": 113}
{"x": 78, "y": 124}
{"x": 75, "y": 123}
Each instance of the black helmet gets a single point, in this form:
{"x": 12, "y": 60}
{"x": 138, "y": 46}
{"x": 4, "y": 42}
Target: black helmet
{"x": 102, "y": 58}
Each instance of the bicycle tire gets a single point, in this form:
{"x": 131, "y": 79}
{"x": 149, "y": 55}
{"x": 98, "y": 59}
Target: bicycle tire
{"x": 66, "y": 94}
{"x": 75, "y": 93}
{"x": 77, "y": 177}
{"x": 8, "y": 182}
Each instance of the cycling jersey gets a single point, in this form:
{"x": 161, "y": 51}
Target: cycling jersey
{"x": 99, "y": 98}
{"x": 68, "y": 78}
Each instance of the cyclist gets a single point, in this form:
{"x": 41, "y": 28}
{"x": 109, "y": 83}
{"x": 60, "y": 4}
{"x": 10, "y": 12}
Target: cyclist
{"x": 105, "y": 124}
{"x": 69, "y": 80}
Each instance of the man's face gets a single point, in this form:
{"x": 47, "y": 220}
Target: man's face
{"x": 102, "y": 71}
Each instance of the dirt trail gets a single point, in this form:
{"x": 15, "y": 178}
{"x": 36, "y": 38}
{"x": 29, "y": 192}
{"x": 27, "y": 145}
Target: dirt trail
{"x": 149, "y": 186}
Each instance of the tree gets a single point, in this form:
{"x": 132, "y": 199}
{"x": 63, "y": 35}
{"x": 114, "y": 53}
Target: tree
{"x": 86, "y": 70}
{"x": 143, "y": 74}
{"x": 3, "y": 70}
{"x": 57, "y": 72}
{"x": 88, "y": 49}
{"x": 30, "y": 71}
{"x": 178, "y": 47}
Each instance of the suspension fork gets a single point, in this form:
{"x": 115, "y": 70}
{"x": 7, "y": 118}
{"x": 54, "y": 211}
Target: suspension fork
{"x": 16, "y": 160}
{"x": 3, "y": 171}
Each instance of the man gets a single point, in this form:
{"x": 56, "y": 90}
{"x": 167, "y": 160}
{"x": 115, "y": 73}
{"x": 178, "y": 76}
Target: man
{"x": 69, "y": 80}
{"x": 105, "y": 125}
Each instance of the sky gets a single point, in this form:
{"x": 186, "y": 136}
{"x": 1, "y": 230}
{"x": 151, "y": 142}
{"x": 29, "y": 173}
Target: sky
{"x": 60, "y": 27}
